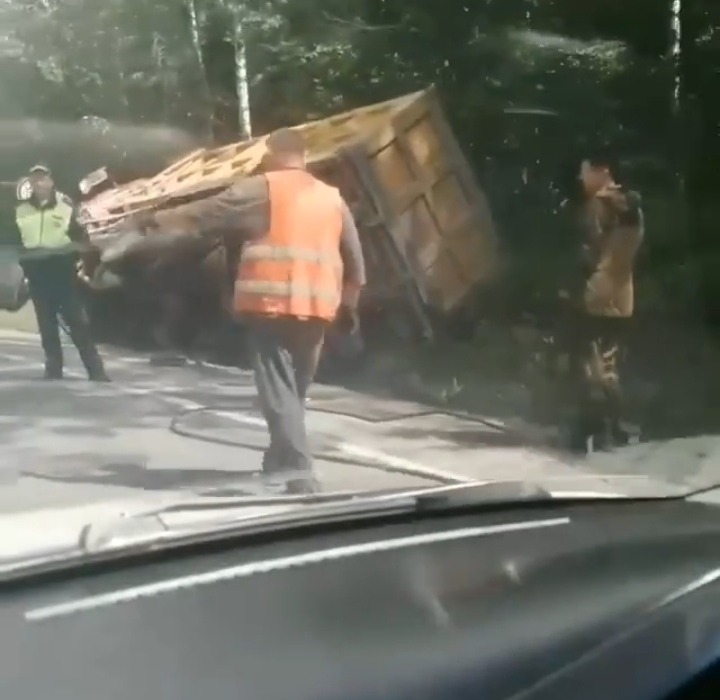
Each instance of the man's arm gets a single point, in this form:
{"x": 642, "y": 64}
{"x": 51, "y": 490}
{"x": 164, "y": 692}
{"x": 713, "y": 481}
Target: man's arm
{"x": 623, "y": 208}
{"x": 76, "y": 233}
{"x": 241, "y": 211}
{"x": 352, "y": 258}
{"x": 630, "y": 227}
{"x": 630, "y": 210}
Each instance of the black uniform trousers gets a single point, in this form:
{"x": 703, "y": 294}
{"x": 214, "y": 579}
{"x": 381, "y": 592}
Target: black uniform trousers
{"x": 285, "y": 353}
{"x": 53, "y": 292}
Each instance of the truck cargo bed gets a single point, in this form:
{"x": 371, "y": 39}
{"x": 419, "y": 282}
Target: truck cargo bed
{"x": 425, "y": 224}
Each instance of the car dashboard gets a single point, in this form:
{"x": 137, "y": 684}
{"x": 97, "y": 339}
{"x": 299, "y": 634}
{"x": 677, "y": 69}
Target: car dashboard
{"x": 592, "y": 600}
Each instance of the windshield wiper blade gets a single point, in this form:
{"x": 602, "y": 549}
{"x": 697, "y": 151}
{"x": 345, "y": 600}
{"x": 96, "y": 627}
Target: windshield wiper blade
{"x": 455, "y": 494}
{"x": 256, "y": 512}
{"x": 153, "y": 525}
{"x": 201, "y": 520}
{"x": 482, "y": 493}
{"x": 471, "y": 492}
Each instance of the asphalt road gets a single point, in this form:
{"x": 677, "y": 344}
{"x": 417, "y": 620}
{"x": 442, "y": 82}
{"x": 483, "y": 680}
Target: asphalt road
{"x": 161, "y": 433}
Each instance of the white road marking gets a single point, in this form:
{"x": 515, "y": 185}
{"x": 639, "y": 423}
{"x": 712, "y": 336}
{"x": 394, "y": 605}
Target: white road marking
{"x": 280, "y": 564}
{"x": 400, "y": 464}
{"x": 19, "y": 337}
{"x": 35, "y": 365}
{"x": 13, "y": 357}
{"x": 21, "y": 367}
{"x": 190, "y": 363}
{"x": 241, "y": 417}
{"x": 129, "y": 360}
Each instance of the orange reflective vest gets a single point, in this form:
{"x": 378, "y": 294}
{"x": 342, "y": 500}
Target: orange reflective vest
{"x": 295, "y": 269}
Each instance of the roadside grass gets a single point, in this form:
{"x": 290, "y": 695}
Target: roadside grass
{"x": 487, "y": 374}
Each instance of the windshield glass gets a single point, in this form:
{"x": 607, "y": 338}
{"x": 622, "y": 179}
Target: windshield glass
{"x": 284, "y": 250}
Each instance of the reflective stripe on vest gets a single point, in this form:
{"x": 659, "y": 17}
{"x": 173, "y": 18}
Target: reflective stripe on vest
{"x": 262, "y": 251}
{"x": 285, "y": 289}
{"x": 296, "y": 269}
{"x": 44, "y": 228}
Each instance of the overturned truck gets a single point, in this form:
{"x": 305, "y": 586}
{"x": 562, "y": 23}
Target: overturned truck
{"x": 425, "y": 225}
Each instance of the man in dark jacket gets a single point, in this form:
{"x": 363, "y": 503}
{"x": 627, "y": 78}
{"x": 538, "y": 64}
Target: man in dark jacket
{"x": 49, "y": 236}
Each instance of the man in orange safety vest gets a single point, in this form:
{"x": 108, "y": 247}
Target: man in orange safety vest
{"x": 301, "y": 268}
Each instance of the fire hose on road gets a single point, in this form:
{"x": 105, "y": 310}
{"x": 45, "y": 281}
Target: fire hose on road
{"x": 340, "y": 452}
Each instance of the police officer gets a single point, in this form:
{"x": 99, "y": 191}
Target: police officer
{"x": 301, "y": 268}
{"x": 609, "y": 219}
{"x": 48, "y": 234}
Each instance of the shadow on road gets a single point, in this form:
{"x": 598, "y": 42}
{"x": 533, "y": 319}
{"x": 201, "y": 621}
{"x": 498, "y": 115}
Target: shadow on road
{"x": 469, "y": 437}
{"x": 75, "y": 409}
{"x": 76, "y": 432}
{"x": 138, "y": 476}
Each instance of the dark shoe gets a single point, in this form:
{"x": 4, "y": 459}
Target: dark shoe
{"x": 53, "y": 373}
{"x": 603, "y": 442}
{"x": 580, "y": 445}
{"x": 579, "y": 440}
{"x": 620, "y": 437}
{"x": 612, "y": 436}
{"x": 626, "y": 433}
{"x": 99, "y": 376}
{"x": 289, "y": 483}
{"x": 168, "y": 359}
{"x": 302, "y": 487}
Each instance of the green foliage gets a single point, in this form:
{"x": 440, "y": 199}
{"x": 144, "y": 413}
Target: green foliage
{"x": 525, "y": 83}
{"x": 138, "y": 61}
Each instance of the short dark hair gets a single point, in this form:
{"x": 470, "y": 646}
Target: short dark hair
{"x": 601, "y": 157}
{"x": 286, "y": 142}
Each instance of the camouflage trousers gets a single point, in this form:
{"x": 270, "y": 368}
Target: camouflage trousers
{"x": 597, "y": 348}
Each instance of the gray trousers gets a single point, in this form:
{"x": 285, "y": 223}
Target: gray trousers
{"x": 285, "y": 354}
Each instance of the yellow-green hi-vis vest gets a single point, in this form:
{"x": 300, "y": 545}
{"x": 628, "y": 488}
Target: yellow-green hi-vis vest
{"x": 44, "y": 228}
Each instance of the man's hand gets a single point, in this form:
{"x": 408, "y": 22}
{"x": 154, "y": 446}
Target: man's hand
{"x": 347, "y": 320}
{"x": 102, "y": 280}
{"x": 125, "y": 242}
{"x": 84, "y": 276}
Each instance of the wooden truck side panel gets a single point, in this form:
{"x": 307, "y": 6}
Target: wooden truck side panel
{"x": 435, "y": 210}
{"x": 390, "y": 283}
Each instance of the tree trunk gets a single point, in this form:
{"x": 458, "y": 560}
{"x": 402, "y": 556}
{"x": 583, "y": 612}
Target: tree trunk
{"x": 241, "y": 78}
